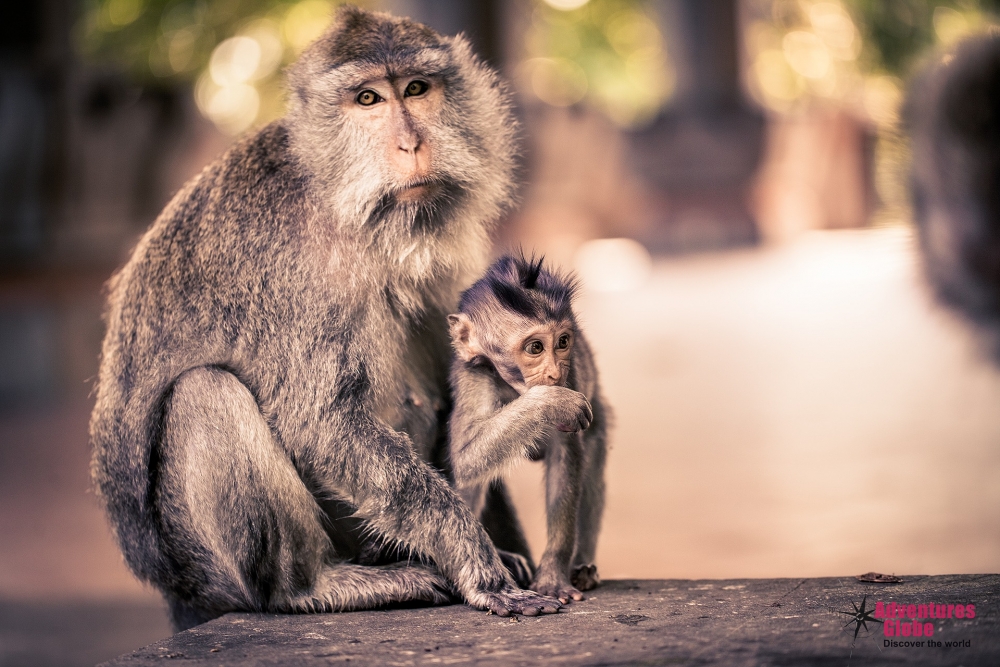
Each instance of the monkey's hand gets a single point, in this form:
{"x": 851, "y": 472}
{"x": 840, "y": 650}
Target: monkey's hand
{"x": 511, "y": 600}
{"x": 569, "y": 410}
{"x": 585, "y": 577}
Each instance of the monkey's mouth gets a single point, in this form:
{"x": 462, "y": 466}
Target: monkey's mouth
{"x": 418, "y": 191}
{"x": 420, "y": 205}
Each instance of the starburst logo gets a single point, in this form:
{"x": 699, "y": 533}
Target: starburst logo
{"x": 860, "y": 617}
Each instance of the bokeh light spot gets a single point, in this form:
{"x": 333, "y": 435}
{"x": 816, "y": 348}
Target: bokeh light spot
{"x": 234, "y": 60}
{"x": 556, "y": 81}
{"x": 806, "y": 54}
{"x": 123, "y": 12}
{"x": 566, "y": 5}
{"x": 305, "y": 22}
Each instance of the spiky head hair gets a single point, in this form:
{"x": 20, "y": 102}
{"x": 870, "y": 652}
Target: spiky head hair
{"x": 523, "y": 286}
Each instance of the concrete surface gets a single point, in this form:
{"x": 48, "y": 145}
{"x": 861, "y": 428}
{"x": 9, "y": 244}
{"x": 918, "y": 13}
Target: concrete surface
{"x": 754, "y": 622}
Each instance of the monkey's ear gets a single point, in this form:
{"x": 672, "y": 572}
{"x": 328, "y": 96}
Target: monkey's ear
{"x": 463, "y": 337}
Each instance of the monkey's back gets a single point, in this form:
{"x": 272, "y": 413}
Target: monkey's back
{"x": 205, "y": 286}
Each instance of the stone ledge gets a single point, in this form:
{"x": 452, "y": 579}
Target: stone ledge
{"x": 651, "y": 622}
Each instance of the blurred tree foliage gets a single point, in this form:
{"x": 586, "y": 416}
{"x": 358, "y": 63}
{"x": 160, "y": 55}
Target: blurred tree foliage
{"x": 139, "y": 35}
{"x": 898, "y": 32}
{"x": 233, "y": 50}
{"x": 609, "y": 53}
{"x": 855, "y": 55}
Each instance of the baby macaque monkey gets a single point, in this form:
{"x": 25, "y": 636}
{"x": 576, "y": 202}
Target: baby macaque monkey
{"x": 525, "y": 386}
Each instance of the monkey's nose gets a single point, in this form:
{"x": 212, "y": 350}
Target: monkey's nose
{"x": 412, "y": 159}
{"x": 409, "y": 142}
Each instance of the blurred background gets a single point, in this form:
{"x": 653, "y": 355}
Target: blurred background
{"x": 727, "y": 177}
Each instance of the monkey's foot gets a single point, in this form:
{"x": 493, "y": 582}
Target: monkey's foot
{"x": 518, "y": 566}
{"x": 557, "y": 587}
{"x": 515, "y": 601}
{"x": 585, "y": 577}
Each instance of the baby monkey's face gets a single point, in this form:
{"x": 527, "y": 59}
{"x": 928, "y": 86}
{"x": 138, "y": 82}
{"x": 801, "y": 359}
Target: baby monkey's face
{"x": 525, "y": 352}
{"x": 542, "y": 353}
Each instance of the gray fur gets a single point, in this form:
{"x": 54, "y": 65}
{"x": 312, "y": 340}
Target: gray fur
{"x": 953, "y": 114}
{"x": 492, "y": 428}
{"x": 275, "y": 349}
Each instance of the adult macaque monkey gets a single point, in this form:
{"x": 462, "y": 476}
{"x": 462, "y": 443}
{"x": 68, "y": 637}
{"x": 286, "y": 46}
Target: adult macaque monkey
{"x": 525, "y": 386}
{"x": 276, "y": 359}
{"x": 953, "y": 114}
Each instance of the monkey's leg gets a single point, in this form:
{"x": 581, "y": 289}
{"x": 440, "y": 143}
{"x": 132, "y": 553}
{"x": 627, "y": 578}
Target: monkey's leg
{"x": 563, "y": 468}
{"x": 402, "y": 498}
{"x": 500, "y": 521}
{"x": 491, "y": 504}
{"x": 238, "y": 525}
{"x": 584, "y": 571}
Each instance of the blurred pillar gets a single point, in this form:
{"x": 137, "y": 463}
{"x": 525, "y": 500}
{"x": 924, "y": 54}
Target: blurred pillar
{"x": 701, "y": 153}
{"x": 34, "y": 38}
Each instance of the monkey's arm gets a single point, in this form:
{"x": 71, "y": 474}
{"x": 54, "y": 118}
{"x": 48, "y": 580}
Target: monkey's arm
{"x": 402, "y": 498}
{"x": 488, "y": 434}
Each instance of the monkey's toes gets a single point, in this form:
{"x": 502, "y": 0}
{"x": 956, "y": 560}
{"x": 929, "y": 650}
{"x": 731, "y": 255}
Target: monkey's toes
{"x": 585, "y": 577}
{"x": 526, "y": 603}
{"x": 557, "y": 587}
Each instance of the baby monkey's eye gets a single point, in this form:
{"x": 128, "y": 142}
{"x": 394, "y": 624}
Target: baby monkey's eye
{"x": 366, "y": 98}
{"x": 534, "y": 347}
{"x": 563, "y": 341}
{"x": 415, "y": 88}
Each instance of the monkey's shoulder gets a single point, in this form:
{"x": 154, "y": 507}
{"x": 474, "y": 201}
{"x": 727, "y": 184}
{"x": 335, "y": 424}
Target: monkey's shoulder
{"x": 256, "y": 185}
{"x": 241, "y": 213}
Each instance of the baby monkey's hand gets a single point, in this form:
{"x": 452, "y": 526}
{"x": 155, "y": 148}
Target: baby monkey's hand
{"x": 569, "y": 410}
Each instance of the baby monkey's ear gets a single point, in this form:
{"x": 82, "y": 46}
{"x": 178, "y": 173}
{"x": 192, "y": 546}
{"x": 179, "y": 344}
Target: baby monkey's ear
{"x": 463, "y": 337}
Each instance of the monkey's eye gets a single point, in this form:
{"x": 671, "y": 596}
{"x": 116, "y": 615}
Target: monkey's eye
{"x": 535, "y": 347}
{"x": 415, "y": 88}
{"x": 563, "y": 341}
{"x": 366, "y": 98}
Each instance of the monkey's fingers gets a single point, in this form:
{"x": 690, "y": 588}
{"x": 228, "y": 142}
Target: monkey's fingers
{"x": 582, "y": 423}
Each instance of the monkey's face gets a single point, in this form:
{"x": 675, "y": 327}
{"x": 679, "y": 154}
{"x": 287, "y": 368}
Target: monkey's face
{"x": 398, "y": 121}
{"x": 391, "y": 142}
{"x": 541, "y": 354}
{"x": 408, "y": 136}
{"x": 525, "y": 352}
{"x": 395, "y": 115}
